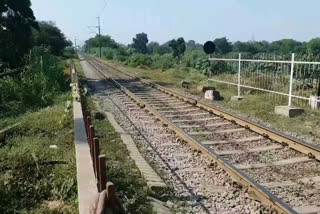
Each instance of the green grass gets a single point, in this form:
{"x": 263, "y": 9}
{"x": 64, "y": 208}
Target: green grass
{"x": 34, "y": 177}
{"x": 255, "y": 105}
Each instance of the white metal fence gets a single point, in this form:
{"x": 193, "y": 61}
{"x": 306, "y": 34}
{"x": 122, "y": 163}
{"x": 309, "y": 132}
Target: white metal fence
{"x": 299, "y": 80}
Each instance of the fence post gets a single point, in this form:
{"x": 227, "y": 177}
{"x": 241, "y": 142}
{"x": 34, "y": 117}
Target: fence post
{"x": 102, "y": 173}
{"x": 91, "y": 139}
{"x": 291, "y": 80}
{"x": 96, "y": 154}
{"x": 239, "y": 75}
{"x": 88, "y": 123}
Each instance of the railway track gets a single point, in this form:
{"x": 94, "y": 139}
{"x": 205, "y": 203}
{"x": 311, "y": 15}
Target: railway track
{"x": 279, "y": 170}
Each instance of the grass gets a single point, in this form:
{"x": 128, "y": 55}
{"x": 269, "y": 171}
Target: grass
{"x": 255, "y": 105}
{"x": 33, "y": 177}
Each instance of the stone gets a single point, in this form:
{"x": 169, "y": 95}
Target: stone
{"x": 53, "y": 147}
{"x": 185, "y": 84}
{"x": 236, "y": 98}
{"x": 203, "y": 89}
{"x": 212, "y": 95}
{"x": 288, "y": 111}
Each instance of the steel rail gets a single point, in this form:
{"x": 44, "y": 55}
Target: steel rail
{"x": 259, "y": 192}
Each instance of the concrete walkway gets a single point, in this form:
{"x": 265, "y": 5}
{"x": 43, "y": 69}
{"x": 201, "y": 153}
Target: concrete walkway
{"x": 87, "y": 188}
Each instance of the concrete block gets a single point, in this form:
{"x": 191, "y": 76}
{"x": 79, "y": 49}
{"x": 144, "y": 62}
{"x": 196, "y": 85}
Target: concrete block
{"x": 314, "y": 102}
{"x": 212, "y": 95}
{"x": 288, "y": 111}
{"x": 235, "y": 98}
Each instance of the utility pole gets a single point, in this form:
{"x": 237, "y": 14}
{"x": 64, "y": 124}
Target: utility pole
{"x": 75, "y": 43}
{"x": 99, "y": 29}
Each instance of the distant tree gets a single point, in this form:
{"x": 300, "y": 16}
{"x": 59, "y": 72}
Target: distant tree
{"x": 222, "y": 45}
{"x": 285, "y": 46}
{"x": 252, "y": 47}
{"x": 239, "y": 46}
{"x": 178, "y": 47}
{"x": 106, "y": 41}
{"x": 140, "y": 43}
{"x": 16, "y": 21}
{"x": 314, "y": 45}
{"x": 191, "y": 44}
{"x": 153, "y": 47}
{"x": 51, "y": 36}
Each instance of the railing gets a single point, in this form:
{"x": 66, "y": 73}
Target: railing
{"x": 299, "y": 80}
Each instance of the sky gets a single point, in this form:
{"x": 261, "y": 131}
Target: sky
{"x": 199, "y": 20}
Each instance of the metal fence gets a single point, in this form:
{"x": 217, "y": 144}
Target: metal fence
{"x": 293, "y": 80}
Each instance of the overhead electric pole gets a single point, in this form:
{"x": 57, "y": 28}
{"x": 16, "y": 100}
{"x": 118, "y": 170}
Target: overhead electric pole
{"x": 75, "y": 43}
{"x": 99, "y": 29}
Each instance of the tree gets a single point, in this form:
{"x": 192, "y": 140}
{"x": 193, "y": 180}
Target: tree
{"x": 178, "y": 47}
{"x": 51, "y": 36}
{"x": 191, "y": 44}
{"x": 16, "y": 21}
{"x": 153, "y": 47}
{"x": 222, "y": 45}
{"x": 140, "y": 43}
{"x": 314, "y": 45}
{"x": 286, "y": 46}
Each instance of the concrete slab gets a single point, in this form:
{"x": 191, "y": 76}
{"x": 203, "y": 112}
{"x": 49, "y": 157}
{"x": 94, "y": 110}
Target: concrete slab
{"x": 258, "y": 149}
{"x": 201, "y": 119}
{"x": 307, "y": 180}
{"x": 307, "y": 209}
{"x": 276, "y": 163}
{"x": 154, "y": 181}
{"x": 87, "y": 188}
{"x": 288, "y": 111}
{"x": 159, "y": 206}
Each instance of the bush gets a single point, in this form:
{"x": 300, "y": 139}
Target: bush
{"x": 36, "y": 85}
{"x": 203, "y": 65}
{"x": 163, "y": 61}
{"x": 136, "y": 60}
{"x": 191, "y": 58}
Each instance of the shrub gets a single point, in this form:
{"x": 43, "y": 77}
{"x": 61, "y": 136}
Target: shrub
{"x": 107, "y": 53}
{"x": 203, "y": 65}
{"x": 136, "y": 60}
{"x": 37, "y": 85}
{"x": 163, "y": 61}
{"x": 191, "y": 58}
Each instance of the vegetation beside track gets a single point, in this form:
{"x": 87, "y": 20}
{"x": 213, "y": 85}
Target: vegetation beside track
{"x": 35, "y": 178}
{"x": 254, "y": 106}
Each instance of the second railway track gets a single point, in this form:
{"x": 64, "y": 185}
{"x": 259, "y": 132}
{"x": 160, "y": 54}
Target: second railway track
{"x": 280, "y": 171}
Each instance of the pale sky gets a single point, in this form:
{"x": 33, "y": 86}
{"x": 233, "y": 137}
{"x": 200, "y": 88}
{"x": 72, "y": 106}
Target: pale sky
{"x": 200, "y": 20}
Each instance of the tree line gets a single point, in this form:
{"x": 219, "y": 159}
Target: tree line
{"x": 177, "y": 47}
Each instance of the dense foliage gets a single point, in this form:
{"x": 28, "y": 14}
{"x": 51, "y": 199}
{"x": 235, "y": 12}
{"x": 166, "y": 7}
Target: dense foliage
{"x": 178, "y": 47}
{"x": 140, "y": 42}
{"x": 16, "y": 22}
{"x": 50, "y": 36}
{"x": 20, "y": 32}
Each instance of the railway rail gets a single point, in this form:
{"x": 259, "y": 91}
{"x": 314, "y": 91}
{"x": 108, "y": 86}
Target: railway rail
{"x": 279, "y": 170}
